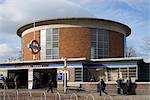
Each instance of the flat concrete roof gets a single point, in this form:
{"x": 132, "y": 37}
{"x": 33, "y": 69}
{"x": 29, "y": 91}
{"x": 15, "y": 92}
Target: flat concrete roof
{"x": 73, "y": 60}
{"x": 76, "y": 21}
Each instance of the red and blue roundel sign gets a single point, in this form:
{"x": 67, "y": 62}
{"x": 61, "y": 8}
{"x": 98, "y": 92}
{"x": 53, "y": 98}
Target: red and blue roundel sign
{"x": 34, "y": 46}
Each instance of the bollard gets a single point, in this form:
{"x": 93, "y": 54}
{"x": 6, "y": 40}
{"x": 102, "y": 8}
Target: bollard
{"x": 42, "y": 95}
{"x": 17, "y": 94}
{"x": 74, "y": 95}
{"x": 90, "y": 95}
{"x": 30, "y": 94}
{"x": 108, "y": 96}
{"x": 57, "y": 93}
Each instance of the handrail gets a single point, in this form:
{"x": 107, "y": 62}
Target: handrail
{"x": 44, "y": 95}
{"x": 57, "y": 93}
{"x": 108, "y": 96}
{"x": 74, "y": 95}
{"x": 90, "y": 95}
{"x": 17, "y": 93}
{"x": 30, "y": 94}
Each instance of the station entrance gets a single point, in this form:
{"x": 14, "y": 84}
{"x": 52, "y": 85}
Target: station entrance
{"x": 19, "y": 76}
{"x": 41, "y": 77}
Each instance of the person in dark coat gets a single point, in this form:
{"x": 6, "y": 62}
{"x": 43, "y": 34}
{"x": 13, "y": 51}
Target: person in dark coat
{"x": 129, "y": 85}
{"x": 102, "y": 87}
{"x": 119, "y": 86}
{"x": 50, "y": 83}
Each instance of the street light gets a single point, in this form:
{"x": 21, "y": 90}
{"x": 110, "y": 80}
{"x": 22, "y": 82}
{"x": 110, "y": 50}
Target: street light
{"x": 65, "y": 74}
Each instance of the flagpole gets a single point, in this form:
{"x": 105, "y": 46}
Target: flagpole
{"x": 34, "y": 38}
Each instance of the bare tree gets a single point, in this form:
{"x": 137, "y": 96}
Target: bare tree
{"x": 130, "y": 52}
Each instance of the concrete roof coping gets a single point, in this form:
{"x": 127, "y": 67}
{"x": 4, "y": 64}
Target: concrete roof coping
{"x": 73, "y": 60}
{"x": 116, "y": 59}
{"x": 43, "y": 61}
{"x": 73, "y": 19}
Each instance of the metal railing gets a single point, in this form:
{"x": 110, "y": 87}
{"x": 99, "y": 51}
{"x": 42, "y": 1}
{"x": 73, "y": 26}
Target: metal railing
{"x": 28, "y": 95}
{"x": 43, "y": 93}
{"x": 73, "y": 94}
{"x": 90, "y": 95}
{"x": 59, "y": 96}
{"x": 108, "y": 96}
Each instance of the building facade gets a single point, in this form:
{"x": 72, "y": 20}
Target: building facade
{"x": 75, "y": 38}
{"x": 92, "y": 48}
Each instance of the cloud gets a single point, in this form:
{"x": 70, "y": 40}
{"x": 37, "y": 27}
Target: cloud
{"x": 140, "y": 5}
{"x": 8, "y": 51}
{"x": 15, "y": 13}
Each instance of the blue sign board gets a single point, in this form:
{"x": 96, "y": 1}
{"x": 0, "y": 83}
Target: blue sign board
{"x": 60, "y": 76}
{"x": 7, "y": 66}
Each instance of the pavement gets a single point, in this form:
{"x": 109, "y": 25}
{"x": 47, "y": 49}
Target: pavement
{"x": 111, "y": 96}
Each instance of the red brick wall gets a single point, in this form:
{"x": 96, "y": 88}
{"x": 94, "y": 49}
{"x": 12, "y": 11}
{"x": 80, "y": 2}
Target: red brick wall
{"x": 75, "y": 42}
{"x": 26, "y": 40}
{"x": 116, "y": 44}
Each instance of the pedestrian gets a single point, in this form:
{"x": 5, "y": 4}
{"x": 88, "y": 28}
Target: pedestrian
{"x": 16, "y": 81}
{"x": 102, "y": 86}
{"x": 50, "y": 83}
{"x": 129, "y": 86}
{"x": 1, "y": 80}
{"x": 119, "y": 86}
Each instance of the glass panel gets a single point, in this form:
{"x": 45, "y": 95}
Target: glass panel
{"x": 78, "y": 74}
{"x": 106, "y": 45}
{"x": 48, "y": 38}
{"x": 55, "y": 38}
{"x": 48, "y": 31}
{"x": 99, "y": 41}
{"x": 55, "y": 31}
{"x": 48, "y": 45}
{"x": 55, "y": 44}
{"x": 100, "y": 44}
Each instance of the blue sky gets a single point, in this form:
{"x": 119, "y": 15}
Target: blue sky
{"x": 15, "y": 13}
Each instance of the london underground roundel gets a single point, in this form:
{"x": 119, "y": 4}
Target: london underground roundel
{"x": 34, "y": 46}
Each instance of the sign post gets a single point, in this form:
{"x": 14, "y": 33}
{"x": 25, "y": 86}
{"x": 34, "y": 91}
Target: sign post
{"x": 65, "y": 75}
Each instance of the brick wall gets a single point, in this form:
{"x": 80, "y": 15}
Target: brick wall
{"x": 26, "y": 40}
{"x": 75, "y": 42}
{"x": 116, "y": 44}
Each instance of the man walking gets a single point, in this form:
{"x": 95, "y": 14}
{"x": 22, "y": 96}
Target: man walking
{"x": 102, "y": 87}
{"x": 50, "y": 86}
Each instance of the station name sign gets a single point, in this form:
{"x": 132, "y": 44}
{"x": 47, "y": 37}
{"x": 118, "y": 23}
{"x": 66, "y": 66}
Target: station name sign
{"x": 45, "y": 65}
{"x": 33, "y": 66}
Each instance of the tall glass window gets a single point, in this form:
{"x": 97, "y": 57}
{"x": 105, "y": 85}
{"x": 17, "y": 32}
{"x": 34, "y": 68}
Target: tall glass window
{"x": 49, "y": 43}
{"x": 52, "y": 43}
{"x": 99, "y": 43}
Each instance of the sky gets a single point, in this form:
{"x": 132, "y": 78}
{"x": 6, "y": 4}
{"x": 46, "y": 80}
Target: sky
{"x": 16, "y": 13}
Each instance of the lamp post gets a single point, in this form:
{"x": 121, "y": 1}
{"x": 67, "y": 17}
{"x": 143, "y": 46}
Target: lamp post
{"x": 65, "y": 75}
